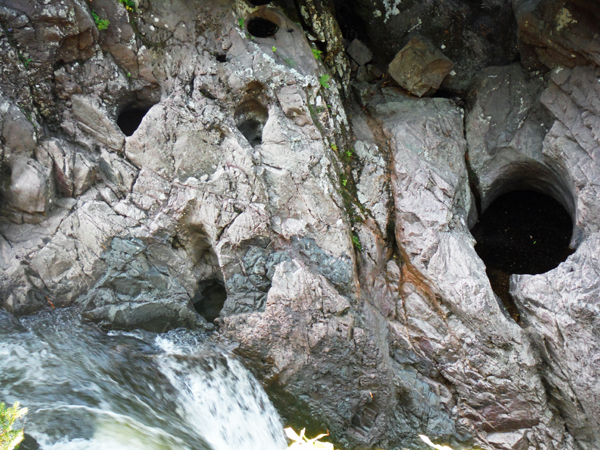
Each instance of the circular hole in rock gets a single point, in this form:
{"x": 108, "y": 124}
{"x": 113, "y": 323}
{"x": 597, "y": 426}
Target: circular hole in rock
{"x": 209, "y": 299}
{"x": 523, "y": 232}
{"x": 130, "y": 118}
{"x": 260, "y": 2}
{"x": 250, "y": 118}
{"x": 262, "y": 28}
{"x": 222, "y": 58}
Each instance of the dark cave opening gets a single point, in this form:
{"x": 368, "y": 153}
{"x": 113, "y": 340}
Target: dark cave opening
{"x": 221, "y": 57}
{"x": 259, "y": 2}
{"x": 252, "y": 131}
{"x": 262, "y": 28}
{"x": 250, "y": 118}
{"x": 352, "y": 24}
{"x": 130, "y": 118}
{"x": 521, "y": 232}
{"x": 209, "y": 299}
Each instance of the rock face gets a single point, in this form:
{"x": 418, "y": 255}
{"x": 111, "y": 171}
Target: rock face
{"x": 558, "y": 306}
{"x": 338, "y": 231}
{"x": 558, "y": 33}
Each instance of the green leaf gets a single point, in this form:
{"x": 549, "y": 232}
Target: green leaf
{"x": 241, "y": 23}
{"x": 323, "y": 81}
{"x": 317, "y": 53}
{"x": 356, "y": 242}
{"x": 274, "y": 49}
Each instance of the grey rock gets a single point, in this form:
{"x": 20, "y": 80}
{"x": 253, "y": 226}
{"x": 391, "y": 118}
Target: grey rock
{"x": 364, "y": 310}
{"x": 420, "y": 67}
{"x": 118, "y": 173}
{"x": 373, "y": 188}
{"x": 94, "y": 121}
{"x": 31, "y": 188}
{"x": 506, "y": 126}
{"x": 559, "y": 312}
{"x": 319, "y": 15}
{"x": 359, "y": 52}
{"x": 433, "y": 204}
{"x": 74, "y": 169}
{"x": 18, "y": 133}
{"x": 556, "y": 305}
{"x": 363, "y": 92}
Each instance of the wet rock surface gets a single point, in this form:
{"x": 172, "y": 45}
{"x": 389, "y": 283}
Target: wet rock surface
{"x": 318, "y": 224}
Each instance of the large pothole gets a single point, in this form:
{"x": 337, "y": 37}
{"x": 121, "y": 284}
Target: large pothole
{"x": 521, "y": 232}
{"x": 209, "y": 299}
{"x": 251, "y": 115}
{"x": 262, "y": 28}
{"x": 130, "y": 118}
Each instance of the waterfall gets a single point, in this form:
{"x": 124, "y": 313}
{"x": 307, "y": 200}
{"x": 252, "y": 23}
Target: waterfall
{"x": 90, "y": 390}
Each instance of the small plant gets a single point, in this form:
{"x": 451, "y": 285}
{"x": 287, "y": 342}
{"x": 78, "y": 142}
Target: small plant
{"x": 317, "y": 53}
{"x": 241, "y": 23}
{"x": 25, "y": 61}
{"x": 323, "y": 81}
{"x": 9, "y": 438}
{"x": 301, "y": 442}
{"x": 102, "y": 24}
{"x": 128, "y": 4}
{"x": 349, "y": 153}
{"x": 334, "y": 147}
{"x": 274, "y": 49}
{"x": 356, "y": 242}
{"x": 344, "y": 182}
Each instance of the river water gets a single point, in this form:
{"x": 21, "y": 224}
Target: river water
{"x": 86, "y": 389}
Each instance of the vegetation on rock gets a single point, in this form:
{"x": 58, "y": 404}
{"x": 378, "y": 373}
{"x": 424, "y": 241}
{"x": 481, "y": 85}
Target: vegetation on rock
{"x": 9, "y": 438}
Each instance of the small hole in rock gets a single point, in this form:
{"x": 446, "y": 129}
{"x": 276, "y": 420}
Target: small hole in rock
{"x": 130, "y": 118}
{"x": 521, "y": 232}
{"x": 262, "y": 28}
{"x": 222, "y": 58}
{"x": 250, "y": 118}
{"x": 209, "y": 299}
{"x": 260, "y": 2}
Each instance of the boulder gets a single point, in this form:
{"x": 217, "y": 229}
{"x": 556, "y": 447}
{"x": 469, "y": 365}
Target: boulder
{"x": 472, "y": 37}
{"x": 419, "y": 67}
{"x": 31, "y": 188}
{"x": 359, "y": 52}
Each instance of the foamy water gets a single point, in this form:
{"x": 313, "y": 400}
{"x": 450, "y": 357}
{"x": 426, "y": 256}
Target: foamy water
{"x": 90, "y": 390}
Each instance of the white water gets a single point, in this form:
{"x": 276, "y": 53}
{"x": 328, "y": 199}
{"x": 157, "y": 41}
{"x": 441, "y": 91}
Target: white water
{"x": 87, "y": 390}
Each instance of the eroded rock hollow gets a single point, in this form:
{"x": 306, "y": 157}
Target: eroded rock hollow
{"x": 300, "y": 179}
